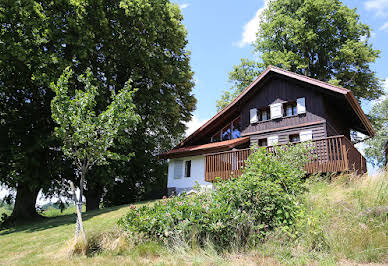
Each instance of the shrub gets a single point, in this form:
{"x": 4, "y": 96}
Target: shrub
{"x": 237, "y": 212}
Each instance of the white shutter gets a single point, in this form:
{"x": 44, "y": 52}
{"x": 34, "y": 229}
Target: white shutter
{"x": 178, "y": 169}
{"x": 276, "y": 110}
{"x": 306, "y": 135}
{"x": 273, "y": 140}
{"x": 301, "y": 105}
{"x": 253, "y": 115}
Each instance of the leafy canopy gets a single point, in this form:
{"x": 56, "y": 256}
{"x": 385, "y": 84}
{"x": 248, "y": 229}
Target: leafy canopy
{"x": 88, "y": 136}
{"x": 375, "y": 146}
{"x": 322, "y": 39}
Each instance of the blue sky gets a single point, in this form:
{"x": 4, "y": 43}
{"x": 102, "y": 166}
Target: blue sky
{"x": 220, "y": 32}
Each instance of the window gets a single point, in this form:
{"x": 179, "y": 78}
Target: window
{"x": 264, "y": 114}
{"x": 294, "y": 138}
{"x": 306, "y": 135}
{"x": 216, "y": 137}
{"x": 262, "y": 142}
{"x": 236, "y": 128}
{"x": 301, "y": 105}
{"x": 231, "y": 131}
{"x": 253, "y": 115}
{"x": 290, "y": 109}
{"x": 273, "y": 140}
{"x": 178, "y": 165}
{"x": 276, "y": 110}
{"x": 187, "y": 168}
{"x": 226, "y": 133}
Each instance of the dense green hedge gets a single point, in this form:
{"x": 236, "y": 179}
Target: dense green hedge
{"x": 237, "y": 212}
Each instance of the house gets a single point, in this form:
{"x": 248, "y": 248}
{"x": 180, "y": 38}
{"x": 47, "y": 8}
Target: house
{"x": 279, "y": 107}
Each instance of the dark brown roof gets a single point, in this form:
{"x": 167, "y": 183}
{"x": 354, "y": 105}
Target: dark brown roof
{"x": 205, "y": 148}
{"x": 348, "y": 94}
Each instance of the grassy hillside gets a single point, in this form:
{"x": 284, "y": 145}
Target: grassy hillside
{"x": 341, "y": 225}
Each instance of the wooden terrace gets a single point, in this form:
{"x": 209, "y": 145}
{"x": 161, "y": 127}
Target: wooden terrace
{"x": 331, "y": 154}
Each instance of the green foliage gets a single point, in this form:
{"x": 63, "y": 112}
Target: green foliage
{"x": 322, "y": 39}
{"x": 241, "y": 76}
{"x": 87, "y": 137}
{"x": 238, "y": 212}
{"x": 375, "y": 150}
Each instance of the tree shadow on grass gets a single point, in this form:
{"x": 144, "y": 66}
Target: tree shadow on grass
{"x": 51, "y": 222}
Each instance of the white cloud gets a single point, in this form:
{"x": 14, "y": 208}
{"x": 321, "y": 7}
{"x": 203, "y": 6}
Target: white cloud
{"x": 251, "y": 28}
{"x": 183, "y": 6}
{"x": 379, "y": 6}
{"x": 194, "y": 124}
{"x": 384, "y": 27}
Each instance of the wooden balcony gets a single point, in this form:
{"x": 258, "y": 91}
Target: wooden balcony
{"x": 332, "y": 154}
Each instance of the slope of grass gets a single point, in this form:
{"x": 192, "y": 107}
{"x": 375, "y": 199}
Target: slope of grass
{"x": 341, "y": 223}
{"x": 340, "y": 226}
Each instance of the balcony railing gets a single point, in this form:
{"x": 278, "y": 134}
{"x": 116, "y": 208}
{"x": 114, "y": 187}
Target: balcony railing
{"x": 332, "y": 154}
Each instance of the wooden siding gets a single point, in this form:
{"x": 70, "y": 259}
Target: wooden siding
{"x": 279, "y": 90}
{"x": 332, "y": 154}
{"x": 319, "y": 131}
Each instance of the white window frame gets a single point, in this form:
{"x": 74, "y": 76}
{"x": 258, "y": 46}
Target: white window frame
{"x": 253, "y": 116}
{"x": 301, "y": 105}
{"x": 276, "y": 110}
{"x": 272, "y": 140}
{"x": 306, "y": 135}
{"x": 176, "y": 174}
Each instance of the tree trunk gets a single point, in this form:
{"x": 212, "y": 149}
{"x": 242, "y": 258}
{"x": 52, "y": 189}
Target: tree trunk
{"x": 24, "y": 209}
{"x": 93, "y": 197}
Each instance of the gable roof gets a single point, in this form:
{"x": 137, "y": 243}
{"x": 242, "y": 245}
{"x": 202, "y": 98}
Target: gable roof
{"x": 205, "y": 148}
{"x": 348, "y": 94}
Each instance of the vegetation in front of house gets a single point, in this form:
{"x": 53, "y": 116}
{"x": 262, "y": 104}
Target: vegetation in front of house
{"x": 238, "y": 213}
{"x": 342, "y": 222}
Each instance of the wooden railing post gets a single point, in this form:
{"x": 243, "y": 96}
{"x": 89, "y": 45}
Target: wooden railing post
{"x": 345, "y": 154}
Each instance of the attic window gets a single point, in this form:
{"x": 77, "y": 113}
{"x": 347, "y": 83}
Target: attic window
{"x": 290, "y": 109}
{"x": 264, "y": 114}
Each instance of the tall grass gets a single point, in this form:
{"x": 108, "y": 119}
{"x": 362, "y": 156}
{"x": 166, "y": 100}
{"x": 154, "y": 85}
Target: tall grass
{"x": 344, "y": 220}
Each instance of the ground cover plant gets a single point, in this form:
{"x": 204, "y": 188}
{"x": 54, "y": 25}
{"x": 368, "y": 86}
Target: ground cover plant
{"x": 238, "y": 213}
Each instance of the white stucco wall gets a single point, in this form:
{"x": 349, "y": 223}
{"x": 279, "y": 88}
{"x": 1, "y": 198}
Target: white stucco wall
{"x": 183, "y": 183}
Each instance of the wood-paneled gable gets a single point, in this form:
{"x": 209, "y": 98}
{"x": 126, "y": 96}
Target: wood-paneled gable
{"x": 280, "y": 90}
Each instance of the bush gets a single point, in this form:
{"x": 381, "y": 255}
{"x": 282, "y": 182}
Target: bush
{"x": 237, "y": 212}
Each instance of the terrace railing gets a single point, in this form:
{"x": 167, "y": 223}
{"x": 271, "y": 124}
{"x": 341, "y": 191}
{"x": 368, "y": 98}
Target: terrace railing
{"x": 332, "y": 154}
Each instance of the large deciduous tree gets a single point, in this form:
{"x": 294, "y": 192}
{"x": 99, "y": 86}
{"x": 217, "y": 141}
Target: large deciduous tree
{"x": 142, "y": 40}
{"x": 322, "y": 39}
{"x": 375, "y": 150}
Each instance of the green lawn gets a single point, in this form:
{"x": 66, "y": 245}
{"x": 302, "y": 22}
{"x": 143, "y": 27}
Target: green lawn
{"x": 47, "y": 243}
